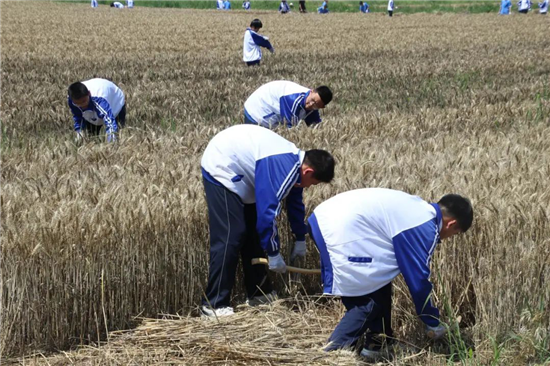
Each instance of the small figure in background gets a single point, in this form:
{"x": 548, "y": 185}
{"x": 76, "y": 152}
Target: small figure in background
{"x": 505, "y": 7}
{"x": 543, "y": 7}
{"x": 302, "y": 5}
{"x": 130, "y": 4}
{"x": 323, "y": 9}
{"x": 94, "y": 4}
{"x": 284, "y": 8}
{"x": 252, "y": 54}
{"x": 391, "y": 7}
{"x": 226, "y": 5}
{"x": 246, "y": 5}
{"x": 116, "y": 4}
{"x": 219, "y": 5}
{"x": 364, "y": 7}
{"x": 524, "y": 6}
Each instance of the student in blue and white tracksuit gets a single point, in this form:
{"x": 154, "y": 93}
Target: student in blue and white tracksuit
{"x": 130, "y": 4}
{"x": 287, "y": 103}
{"x": 524, "y": 6}
{"x": 248, "y": 171}
{"x": 246, "y": 5}
{"x": 363, "y": 7}
{"x": 366, "y": 237}
{"x": 283, "y": 7}
{"x": 117, "y": 4}
{"x": 94, "y": 4}
{"x": 219, "y": 5}
{"x": 95, "y": 103}
{"x": 252, "y": 54}
{"x": 391, "y": 7}
{"x": 543, "y": 7}
{"x": 227, "y": 5}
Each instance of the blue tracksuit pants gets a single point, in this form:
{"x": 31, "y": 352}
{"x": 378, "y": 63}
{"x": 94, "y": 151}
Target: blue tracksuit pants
{"x": 233, "y": 235}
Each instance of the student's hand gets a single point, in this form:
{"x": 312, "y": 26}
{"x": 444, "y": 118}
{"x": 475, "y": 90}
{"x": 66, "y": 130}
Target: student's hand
{"x": 266, "y": 38}
{"x": 277, "y": 263}
{"x": 299, "y": 250}
{"x": 436, "y": 333}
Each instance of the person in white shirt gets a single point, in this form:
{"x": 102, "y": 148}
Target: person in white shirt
{"x": 116, "y": 4}
{"x": 543, "y": 7}
{"x": 283, "y": 7}
{"x": 248, "y": 171}
{"x": 524, "y": 6}
{"x": 220, "y": 5}
{"x": 366, "y": 237}
{"x": 130, "y": 4}
{"x": 252, "y": 54}
{"x": 246, "y": 5}
{"x": 94, "y": 4}
{"x": 96, "y": 103}
{"x": 391, "y": 7}
{"x": 285, "y": 102}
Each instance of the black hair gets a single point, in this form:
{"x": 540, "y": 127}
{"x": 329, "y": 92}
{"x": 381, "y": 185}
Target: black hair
{"x": 256, "y": 23}
{"x": 322, "y": 163}
{"x": 459, "y": 208}
{"x": 77, "y": 90}
{"x": 325, "y": 93}
{"x": 113, "y": 4}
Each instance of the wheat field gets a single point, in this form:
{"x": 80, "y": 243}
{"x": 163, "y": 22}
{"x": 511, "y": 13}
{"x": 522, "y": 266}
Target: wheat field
{"x": 97, "y": 237}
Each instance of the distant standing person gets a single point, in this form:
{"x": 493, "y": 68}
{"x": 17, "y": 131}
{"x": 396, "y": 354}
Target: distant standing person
{"x": 364, "y": 7}
{"x": 524, "y": 6}
{"x": 96, "y": 103}
{"x": 283, "y": 7}
{"x": 118, "y": 5}
{"x": 94, "y": 4}
{"x": 130, "y": 4}
{"x": 366, "y": 238}
{"x": 391, "y": 7}
{"x": 505, "y": 7}
{"x": 302, "y": 6}
{"x": 219, "y": 5}
{"x": 323, "y": 9}
{"x": 252, "y": 53}
{"x": 285, "y": 102}
{"x": 227, "y": 5}
{"x": 543, "y": 7}
{"x": 246, "y": 5}
{"x": 248, "y": 171}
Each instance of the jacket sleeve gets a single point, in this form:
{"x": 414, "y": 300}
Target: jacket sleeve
{"x": 274, "y": 177}
{"x": 296, "y": 212}
{"x": 289, "y": 106}
{"x": 105, "y": 112}
{"x": 413, "y": 249}
{"x": 260, "y": 41}
{"x": 313, "y": 118}
{"x": 77, "y": 116}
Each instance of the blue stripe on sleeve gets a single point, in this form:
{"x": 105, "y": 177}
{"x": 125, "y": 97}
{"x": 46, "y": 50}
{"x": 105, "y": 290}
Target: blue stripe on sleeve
{"x": 259, "y": 40}
{"x": 275, "y": 175}
{"x": 413, "y": 249}
{"x": 326, "y": 266}
{"x": 106, "y": 113}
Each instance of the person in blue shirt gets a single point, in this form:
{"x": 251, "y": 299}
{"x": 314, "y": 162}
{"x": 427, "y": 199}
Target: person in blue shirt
{"x": 505, "y": 7}
{"x": 283, "y": 7}
{"x": 226, "y": 5}
{"x": 363, "y": 7}
{"x": 248, "y": 171}
{"x": 323, "y": 9}
{"x": 366, "y": 238}
{"x": 246, "y": 5}
{"x": 96, "y": 103}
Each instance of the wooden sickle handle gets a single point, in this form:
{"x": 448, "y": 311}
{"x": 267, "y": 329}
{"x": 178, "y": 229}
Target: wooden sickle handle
{"x": 288, "y": 268}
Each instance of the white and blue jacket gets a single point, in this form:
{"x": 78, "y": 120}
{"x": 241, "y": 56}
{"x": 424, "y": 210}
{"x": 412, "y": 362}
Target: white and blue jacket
{"x": 280, "y": 102}
{"x": 364, "y": 8}
{"x": 366, "y": 237}
{"x": 130, "y": 3}
{"x": 283, "y": 7}
{"x": 246, "y": 5}
{"x": 261, "y": 167}
{"x": 524, "y": 5}
{"x": 543, "y": 7}
{"x": 219, "y": 5}
{"x": 251, "y": 45}
{"x": 391, "y": 5}
{"x": 94, "y": 4}
{"x": 106, "y": 102}
{"x": 505, "y": 6}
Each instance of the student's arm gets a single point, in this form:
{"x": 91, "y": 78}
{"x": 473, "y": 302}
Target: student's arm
{"x": 296, "y": 213}
{"x": 313, "y": 118}
{"x": 105, "y": 112}
{"x": 413, "y": 249}
{"x": 289, "y": 106}
{"x": 261, "y": 41}
{"x": 77, "y": 116}
{"x": 275, "y": 177}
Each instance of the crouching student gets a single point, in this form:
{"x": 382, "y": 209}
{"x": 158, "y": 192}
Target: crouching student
{"x": 252, "y": 54}
{"x": 366, "y": 237}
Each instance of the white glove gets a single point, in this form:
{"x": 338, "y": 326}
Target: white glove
{"x": 299, "y": 250}
{"x": 436, "y": 332}
{"x": 266, "y": 38}
{"x": 277, "y": 263}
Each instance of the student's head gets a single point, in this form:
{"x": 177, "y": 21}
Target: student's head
{"x": 113, "y": 4}
{"x": 317, "y": 167}
{"x": 360, "y": 3}
{"x": 79, "y": 94}
{"x": 457, "y": 213}
{"x": 256, "y": 24}
{"x": 318, "y": 98}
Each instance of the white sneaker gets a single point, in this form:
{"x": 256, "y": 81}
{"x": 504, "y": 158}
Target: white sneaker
{"x": 214, "y": 313}
{"x": 262, "y": 299}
